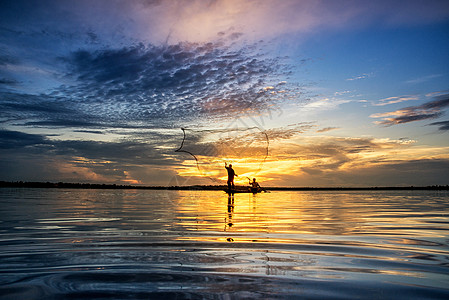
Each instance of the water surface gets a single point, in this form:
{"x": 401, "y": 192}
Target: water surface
{"x": 146, "y": 244}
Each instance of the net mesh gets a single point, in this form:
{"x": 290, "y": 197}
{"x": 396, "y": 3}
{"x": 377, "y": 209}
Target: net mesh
{"x": 245, "y": 148}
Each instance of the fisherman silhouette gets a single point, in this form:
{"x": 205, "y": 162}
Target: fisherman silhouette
{"x": 255, "y": 187}
{"x": 231, "y": 175}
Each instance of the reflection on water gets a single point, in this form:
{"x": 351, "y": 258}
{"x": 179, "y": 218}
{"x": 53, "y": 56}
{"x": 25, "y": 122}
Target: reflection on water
{"x": 64, "y": 243}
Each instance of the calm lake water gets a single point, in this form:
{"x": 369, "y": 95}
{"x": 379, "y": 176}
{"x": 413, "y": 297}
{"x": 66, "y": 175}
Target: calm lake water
{"x": 147, "y": 244}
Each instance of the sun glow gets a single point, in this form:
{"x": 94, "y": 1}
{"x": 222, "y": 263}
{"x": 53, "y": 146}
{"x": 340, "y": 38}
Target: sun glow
{"x": 308, "y": 156}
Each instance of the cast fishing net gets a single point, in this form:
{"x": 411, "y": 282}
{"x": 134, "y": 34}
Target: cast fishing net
{"x": 245, "y": 148}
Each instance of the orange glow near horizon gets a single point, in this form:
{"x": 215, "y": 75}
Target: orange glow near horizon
{"x": 293, "y": 162}
{"x": 296, "y": 160}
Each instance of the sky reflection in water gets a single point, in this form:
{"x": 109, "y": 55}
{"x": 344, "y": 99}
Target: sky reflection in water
{"x": 99, "y": 243}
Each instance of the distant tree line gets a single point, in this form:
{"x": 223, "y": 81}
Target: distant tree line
{"x": 70, "y": 185}
{"x": 22, "y": 184}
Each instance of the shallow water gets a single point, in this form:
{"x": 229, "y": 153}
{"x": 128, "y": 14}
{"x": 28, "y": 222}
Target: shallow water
{"x": 146, "y": 244}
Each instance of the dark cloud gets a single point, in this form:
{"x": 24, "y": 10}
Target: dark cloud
{"x": 8, "y": 81}
{"x": 115, "y": 77}
{"x": 6, "y": 59}
{"x": 443, "y": 125}
{"x": 21, "y": 154}
{"x": 42, "y": 110}
{"x": 441, "y": 102}
{"x": 120, "y": 152}
{"x": 173, "y": 82}
{"x": 64, "y": 123}
{"x": 165, "y": 85}
{"x": 152, "y": 149}
{"x": 332, "y": 146}
{"x": 41, "y": 107}
{"x": 90, "y": 131}
{"x": 16, "y": 139}
{"x": 288, "y": 132}
{"x": 331, "y": 154}
{"x": 421, "y": 172}
{"x": 417, "y": 172}
{"x": 429, "y": 110}
{"x": 358, "y": 162}
{"x": 326, "y": 129}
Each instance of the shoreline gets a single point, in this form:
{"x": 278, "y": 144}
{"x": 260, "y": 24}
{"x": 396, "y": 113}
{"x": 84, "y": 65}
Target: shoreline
{"x": 21, "y": 184}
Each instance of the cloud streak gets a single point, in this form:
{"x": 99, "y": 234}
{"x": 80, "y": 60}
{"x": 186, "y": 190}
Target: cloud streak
{"x": 358, "y": 77}
{"x": 443, "y": 125}
{"x": 429, "y": 110}
{"x": 423, "y": 79}
{"x": 327, "y": 129}
{"x": 394, "y": 100}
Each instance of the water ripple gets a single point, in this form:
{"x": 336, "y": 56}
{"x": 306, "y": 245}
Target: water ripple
{"x": 59, "y": 244}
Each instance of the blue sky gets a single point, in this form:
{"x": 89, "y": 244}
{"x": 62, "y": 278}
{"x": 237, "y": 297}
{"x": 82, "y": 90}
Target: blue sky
{"x": 348, "y": 93}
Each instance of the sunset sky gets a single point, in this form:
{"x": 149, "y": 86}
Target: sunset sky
{"x": 294, "y": 93}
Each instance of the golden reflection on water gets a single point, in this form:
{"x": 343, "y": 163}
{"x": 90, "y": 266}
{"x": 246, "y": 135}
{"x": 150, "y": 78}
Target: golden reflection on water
{"x": 285, "y": 217}
{"x": 244, "y": 213}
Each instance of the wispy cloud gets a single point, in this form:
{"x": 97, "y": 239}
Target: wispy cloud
{"x": 438, "y": 93}
{"x": 288, "y": 131}
{"x": 423, "y": 79}
{"x": 341, "y": 93}
{"x": 362, "y": 76}
{"x": 394, "y": 100}
{"x": 325, "y": 103}
{"x": 429, "y": 110}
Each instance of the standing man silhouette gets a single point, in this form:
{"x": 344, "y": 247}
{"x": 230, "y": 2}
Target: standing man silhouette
{"x": 231, "y": 175}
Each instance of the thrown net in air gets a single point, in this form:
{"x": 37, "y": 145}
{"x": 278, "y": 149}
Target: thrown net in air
{"x": 245, "y": 148}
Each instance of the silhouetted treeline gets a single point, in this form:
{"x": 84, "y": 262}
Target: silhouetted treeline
{"x": 104, "y": 186}
{"x": 202, "y": 187}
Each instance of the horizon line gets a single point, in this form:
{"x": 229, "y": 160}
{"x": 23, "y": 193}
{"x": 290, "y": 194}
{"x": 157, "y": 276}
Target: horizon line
{"x": 47, "y": 184}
